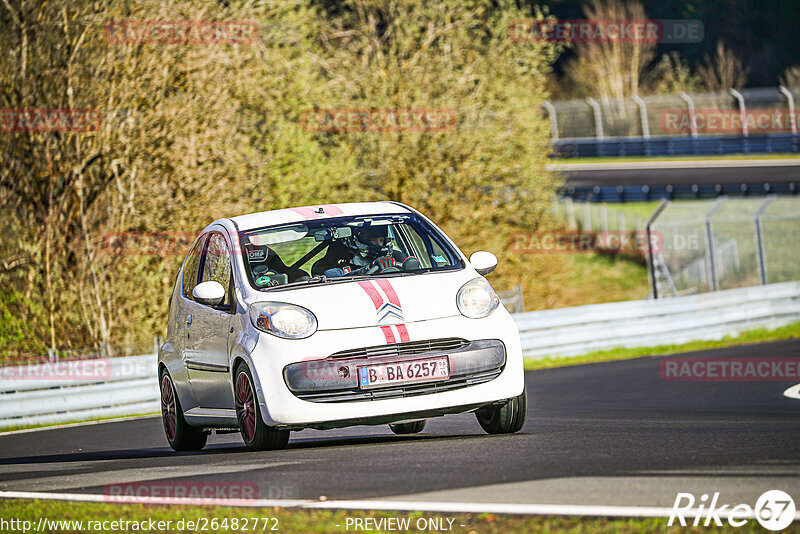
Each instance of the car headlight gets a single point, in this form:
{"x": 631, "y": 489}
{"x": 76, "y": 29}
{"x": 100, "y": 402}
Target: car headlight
{"x": 477, "y": 299}
{"x": 283, "y": 320}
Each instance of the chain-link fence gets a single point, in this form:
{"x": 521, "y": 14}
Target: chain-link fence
{"x": 764, "y": 110}
{"x": 708, "y": 246}
{"x": 598, "y": 217}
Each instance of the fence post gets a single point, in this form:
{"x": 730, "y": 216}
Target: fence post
{"x": 710, "y": 241}
{"x": 742, "y": 110}
{"x": 762, "y": 267}
{"x": 551, "y": 111}
{"x": 598, "y": 117}
{"x": 651, "y": 272}
{"x": 587, "y": 217}
{"x": 571, "y": 213}
{"x": 790, "y": 98}
{"x": 643, "y": 114}
{"x": 692, "y": 118}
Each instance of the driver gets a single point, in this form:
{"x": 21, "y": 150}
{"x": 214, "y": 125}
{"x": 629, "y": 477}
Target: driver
{"x": 372, "y": 252}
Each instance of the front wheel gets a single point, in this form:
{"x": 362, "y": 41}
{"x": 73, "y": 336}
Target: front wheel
{"x": 504, "y": 418}
{"x": 180, "y": 435}
{"x": 414, "y": 427}
{"x": 255, "y": 433}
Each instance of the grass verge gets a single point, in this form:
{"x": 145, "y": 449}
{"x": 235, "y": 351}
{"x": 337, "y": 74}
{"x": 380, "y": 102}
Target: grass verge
{"x": 320, "y": 521}
{"x": 758, "y": 335}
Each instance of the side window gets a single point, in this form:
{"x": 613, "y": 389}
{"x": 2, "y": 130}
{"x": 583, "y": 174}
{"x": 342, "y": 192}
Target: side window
{"x": 190, "y": 268}
{"x": 217, "y": 264}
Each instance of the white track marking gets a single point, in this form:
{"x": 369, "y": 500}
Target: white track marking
{"x": 396, "y": 506}
{"x": 793, "y": 392}
{"x": 665, "y": 164}
{"x": 83, "y": 423}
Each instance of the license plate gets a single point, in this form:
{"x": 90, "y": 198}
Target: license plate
{"x": 423, "y": 370}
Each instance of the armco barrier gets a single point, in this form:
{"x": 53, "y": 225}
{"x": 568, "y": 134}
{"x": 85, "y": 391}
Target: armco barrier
{"x": 647, "y": 323}
{"x": 131, "y": 386}
{"x": 128, "y": 388}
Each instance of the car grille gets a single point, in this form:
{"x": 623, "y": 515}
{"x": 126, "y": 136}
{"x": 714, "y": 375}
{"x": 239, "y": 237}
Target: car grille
{"x": 407, "y": 390}
{"x": 405, "y": 349}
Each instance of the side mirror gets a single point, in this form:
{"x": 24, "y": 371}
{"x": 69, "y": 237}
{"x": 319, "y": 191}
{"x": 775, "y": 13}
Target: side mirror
{"x": 210, "y": 293}
{"x": 483, "y": 262}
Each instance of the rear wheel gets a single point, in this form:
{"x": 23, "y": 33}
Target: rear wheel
{"x": 504, "y": 418}
{"x": 255, "y": 433}
{"x": 180, "y": 435}
{"x": 408, "y": 428}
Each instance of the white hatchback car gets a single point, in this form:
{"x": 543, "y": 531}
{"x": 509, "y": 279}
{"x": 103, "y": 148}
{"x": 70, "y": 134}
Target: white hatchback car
{"x": 331, "y": 316}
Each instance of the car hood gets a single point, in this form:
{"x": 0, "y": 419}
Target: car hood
{"x": 378, "y": 301}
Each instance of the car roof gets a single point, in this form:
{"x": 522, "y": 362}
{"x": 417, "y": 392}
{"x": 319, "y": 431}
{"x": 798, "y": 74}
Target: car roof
{"x": 308, "y": 213}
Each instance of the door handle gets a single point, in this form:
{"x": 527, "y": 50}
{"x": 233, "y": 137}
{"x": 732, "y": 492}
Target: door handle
{"x": 188, "y": 322}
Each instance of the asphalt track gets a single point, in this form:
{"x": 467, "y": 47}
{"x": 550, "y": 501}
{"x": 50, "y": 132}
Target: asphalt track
{"x": 611, "y": 433}
{"x": 655, "y": 173}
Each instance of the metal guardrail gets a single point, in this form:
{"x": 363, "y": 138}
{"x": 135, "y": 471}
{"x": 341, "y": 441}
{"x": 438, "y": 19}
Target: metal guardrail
{"x": 51, "y": 393}
{"x": 647, "y": 323}
{"x": 130, "y": 386}
{"x": 677, "y": 146}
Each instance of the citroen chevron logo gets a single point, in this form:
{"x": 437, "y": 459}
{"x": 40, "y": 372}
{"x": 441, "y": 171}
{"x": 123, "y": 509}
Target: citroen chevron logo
{"x": 388, "y": 313}
{"x": 388, "y": 310}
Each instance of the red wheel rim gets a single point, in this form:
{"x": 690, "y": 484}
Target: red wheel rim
{"x": 168, "y": 412}
{"x": 245, "y": 407}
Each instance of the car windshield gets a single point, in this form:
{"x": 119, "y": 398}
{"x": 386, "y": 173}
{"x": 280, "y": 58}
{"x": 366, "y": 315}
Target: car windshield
{"x": 345, "y": 248}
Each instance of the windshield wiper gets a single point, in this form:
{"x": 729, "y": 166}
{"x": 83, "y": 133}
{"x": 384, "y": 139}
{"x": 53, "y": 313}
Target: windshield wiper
{"x": 319, "y": 279}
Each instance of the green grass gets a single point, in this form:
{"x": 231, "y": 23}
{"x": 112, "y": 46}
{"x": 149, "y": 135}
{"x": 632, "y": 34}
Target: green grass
{"x": 334, "y": 521}
{"x": 598, "y": 278}
{"x": 789, "y": 331}
{"x": 790, "y": 155}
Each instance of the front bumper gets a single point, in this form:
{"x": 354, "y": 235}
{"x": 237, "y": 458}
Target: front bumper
{"x": 281, "y": 406}
{"x": 335, "y": 379}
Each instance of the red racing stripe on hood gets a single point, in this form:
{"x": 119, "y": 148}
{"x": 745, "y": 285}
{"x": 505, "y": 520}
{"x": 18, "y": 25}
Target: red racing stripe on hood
{"x": 389, "y": 290}
{"x": 373, "y": 294}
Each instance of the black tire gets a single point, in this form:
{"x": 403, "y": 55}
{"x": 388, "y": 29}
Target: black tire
{"x": 414, "y": 427}
{"x": 255, "y": 433}
{"x": 180, "y": 434}
{"x": 504, "y": 418}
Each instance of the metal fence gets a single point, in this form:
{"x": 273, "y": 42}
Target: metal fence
{"x": 746, "y": 112}
{"x": 703, "y": 246}
{"x": 597, "y": 217}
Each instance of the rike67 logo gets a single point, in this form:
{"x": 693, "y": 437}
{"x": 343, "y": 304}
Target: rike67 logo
{"x": 774, "y": 510}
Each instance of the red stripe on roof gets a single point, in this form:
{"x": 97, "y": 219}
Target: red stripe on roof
{"x": 309, "y": 213}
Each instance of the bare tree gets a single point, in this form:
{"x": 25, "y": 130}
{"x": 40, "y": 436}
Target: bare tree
{"x": 791, "y": 76}
{"x": 611, "y": 67}
{"x": 723, "y": 71}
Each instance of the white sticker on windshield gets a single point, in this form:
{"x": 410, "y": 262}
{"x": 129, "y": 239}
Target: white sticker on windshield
{"x": 439, "y": 259}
